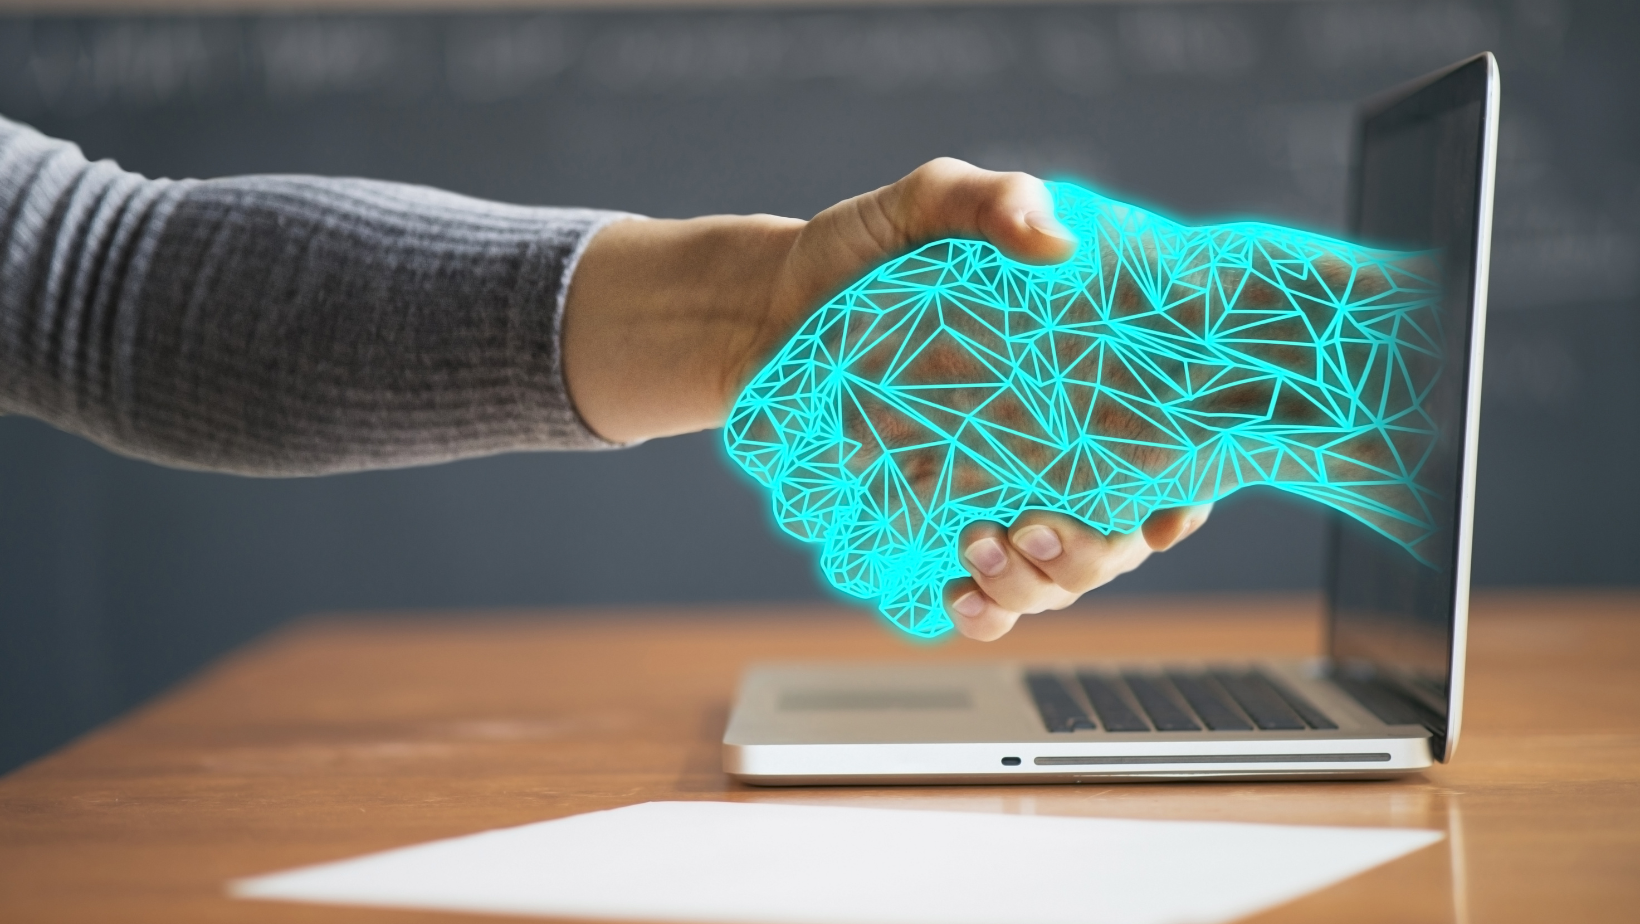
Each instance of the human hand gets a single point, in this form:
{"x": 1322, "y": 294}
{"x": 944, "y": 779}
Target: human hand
{"x": 666, "y": 321}
{"x": 1046, "y": 561}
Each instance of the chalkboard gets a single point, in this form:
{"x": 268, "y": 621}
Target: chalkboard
{"x": 117, "y": 578}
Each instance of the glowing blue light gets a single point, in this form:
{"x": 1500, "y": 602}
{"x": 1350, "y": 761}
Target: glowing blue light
{"x": 1163, "y": 365}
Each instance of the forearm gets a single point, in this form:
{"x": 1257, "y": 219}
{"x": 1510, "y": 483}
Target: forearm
{"x": 280, "y": 325}
{"x": 664, "y": 317}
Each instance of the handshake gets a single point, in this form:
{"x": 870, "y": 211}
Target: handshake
{"x": 1161, "y": 366}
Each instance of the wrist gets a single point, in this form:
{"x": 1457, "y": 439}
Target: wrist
{"x": 663, "y": 319}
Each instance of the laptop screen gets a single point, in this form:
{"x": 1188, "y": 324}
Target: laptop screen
{"x": 1396, "y": 618}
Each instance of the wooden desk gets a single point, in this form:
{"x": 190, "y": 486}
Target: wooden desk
{"x": 338, "y": 737}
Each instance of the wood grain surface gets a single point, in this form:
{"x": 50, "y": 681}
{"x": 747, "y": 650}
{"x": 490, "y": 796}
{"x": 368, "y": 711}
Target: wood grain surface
{"x": 340, "y": 736}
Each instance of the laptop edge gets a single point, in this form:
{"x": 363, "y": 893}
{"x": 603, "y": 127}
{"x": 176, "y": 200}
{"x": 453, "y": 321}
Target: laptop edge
{"x": 831, "y": 723}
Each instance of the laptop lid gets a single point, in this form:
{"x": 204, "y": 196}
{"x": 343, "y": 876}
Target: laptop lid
{"x": 1424, "y": 163}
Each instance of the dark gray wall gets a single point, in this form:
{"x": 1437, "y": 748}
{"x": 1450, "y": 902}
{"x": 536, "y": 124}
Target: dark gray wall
{"x": 117, "y": 578}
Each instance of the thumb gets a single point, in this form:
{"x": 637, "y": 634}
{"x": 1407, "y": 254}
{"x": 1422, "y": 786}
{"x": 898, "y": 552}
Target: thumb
{"x": 952, "y": 198}
{"x": 942, "y": 198}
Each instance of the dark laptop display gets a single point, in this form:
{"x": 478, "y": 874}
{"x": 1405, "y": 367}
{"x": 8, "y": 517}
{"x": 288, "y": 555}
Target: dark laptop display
{"x": 1419, "y": 185}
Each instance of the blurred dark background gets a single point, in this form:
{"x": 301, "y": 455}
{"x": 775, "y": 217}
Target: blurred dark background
{"x": 117, "y": 577}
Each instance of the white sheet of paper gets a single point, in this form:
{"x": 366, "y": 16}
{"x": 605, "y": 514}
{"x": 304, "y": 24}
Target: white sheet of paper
{"x": 799, "y": 864}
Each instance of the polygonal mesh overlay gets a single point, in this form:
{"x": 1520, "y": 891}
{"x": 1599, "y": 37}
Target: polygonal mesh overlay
{"x": 1163, "y": 365}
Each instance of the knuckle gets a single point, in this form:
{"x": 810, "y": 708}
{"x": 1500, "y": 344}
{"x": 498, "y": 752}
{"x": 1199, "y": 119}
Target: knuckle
{"x": 919, "y": 182}
{"x": 999, "y": 624}
{"x": 1089, "y": 573}
{"x": 1000, "y": 592}
{"x": 985, "y": 633}
{"x": 935, "y": 179}
{"x": 1020, "y": 597}
{"x": 1066, "y": 574}
{"x": 985, "y": 627}
{"x": 943, "y": 167}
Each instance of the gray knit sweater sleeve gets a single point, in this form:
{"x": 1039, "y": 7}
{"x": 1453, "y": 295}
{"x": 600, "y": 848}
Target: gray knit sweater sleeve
{"x": 280, "y": 325}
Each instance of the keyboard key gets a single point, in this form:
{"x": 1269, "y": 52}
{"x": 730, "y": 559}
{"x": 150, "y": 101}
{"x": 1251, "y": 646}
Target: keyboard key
{"x": 1164, "y": 713}
{"x": 1060, "y": 712}
{"x": 1109, "y": 705}
{"x": 1312, "y": 716}
{"x": 1260, "y": 701}
{"x": 1390, "y": 707}
{"x": 1215, "y": 712}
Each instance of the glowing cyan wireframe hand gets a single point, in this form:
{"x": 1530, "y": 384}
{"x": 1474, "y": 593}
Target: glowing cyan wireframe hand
{"x": 1162, "y": 366}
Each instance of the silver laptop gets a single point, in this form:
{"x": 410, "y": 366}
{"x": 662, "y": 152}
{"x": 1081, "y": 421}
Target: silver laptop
{"x": 1386, "y": 697}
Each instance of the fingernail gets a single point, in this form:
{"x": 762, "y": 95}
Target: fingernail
{"x": 1039, "y": 542}
{"x": 969, "y": 604}
{"x": 1046, "y": 223}
{"x": 988, "y": 556}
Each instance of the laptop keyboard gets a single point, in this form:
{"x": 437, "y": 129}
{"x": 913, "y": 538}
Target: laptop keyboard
{"x": 1060, "y": 711}
{"x": 1220, "y": 700}
{"x": 1114, "y": 712}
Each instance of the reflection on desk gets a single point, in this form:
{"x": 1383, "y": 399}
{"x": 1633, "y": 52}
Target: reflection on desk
{"x": 339, "y": 737}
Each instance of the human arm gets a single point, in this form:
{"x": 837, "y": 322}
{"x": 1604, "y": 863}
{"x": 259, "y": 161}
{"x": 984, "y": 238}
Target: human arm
{"x": 285, "y": 325}
{"x": 280, "y": 325}
{"x": 667, "y": 321}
